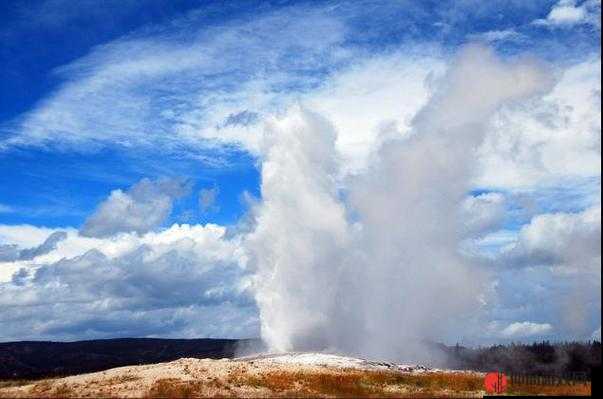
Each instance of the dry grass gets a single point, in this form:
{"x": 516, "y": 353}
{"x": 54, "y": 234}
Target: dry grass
{"x": 42, "y": 387}
{"x": 176, "y": 388}
{"x": 46, "y": 389}
{"x": 457, "y": 382}
{"x": 64, "y": 391}
{"x": 357, "y": 383}
{"x": 172, "y": 388}
{"x": 122, "y": 379}
{"x": 338, "y": 383}
{"x": 15, "y": 383}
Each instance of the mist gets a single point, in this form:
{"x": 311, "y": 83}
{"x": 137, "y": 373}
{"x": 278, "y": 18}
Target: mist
{"x": 369, "y": 264}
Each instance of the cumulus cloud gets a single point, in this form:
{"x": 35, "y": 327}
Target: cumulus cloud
{"x": 11, "y": 252}
{"x": 551, "y": 270}
{"x": 526, "y": 329}
{"x": 551, "y": 141}
{"x": 394, "y": 232}
{"x": 568, "y": 13}
{"x": 186, "y": 281}
{"x": 568, "y": 240}
{"x": 24, "y": 236}
{"x": 143, "y": 207}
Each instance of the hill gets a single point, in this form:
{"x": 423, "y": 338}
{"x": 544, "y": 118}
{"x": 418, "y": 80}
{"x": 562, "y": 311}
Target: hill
{"x": 36, "y": 359}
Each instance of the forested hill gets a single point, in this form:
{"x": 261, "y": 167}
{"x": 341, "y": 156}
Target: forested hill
{"x": 34, "y": 359}
{"x": 544, "y": 358}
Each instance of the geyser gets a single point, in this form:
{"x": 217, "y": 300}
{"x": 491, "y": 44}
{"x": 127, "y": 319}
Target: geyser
{"x": 370, "y": 263}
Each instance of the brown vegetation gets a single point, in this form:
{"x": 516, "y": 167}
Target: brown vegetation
{"x": 46, "y": 389}
{"x": 14, "y": 383}
{"x": 349, "y": 383}
{"x": 359, "y": 383}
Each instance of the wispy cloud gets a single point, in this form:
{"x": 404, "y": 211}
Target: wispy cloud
{"x": 159, "y": 89}
{"x": 196, "y": 88}
{"x": 207, "y": 199}
{"x": 498, "y": 36}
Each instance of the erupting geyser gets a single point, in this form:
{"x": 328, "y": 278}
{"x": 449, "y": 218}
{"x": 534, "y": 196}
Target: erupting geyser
{"x": 367, "y": 264}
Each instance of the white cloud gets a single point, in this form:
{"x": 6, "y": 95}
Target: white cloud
{"x": 126, "y": 94}
{"x": 550, "y": 140}
{"x": 24, "y": 236}
{"x": 497, "y": 36}
{"x": 568, "y": 13}
{"x": 143, "y": 207}
{"x": 526, "y": 329}
{"x": 11, "y": 252}
{"x": 374, "y": 100}
{"x": 552, "y": 271}
{"x": 566, "y": 240}
{"x": 185, "y": 281}
{"x": 157, "y": 90}
{"x": 206, "y": 238}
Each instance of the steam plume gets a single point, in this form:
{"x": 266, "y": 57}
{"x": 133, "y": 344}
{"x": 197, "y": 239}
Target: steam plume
{"x": 366, "y": 264}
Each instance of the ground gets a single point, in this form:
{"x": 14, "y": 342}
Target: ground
{"x": 284, "y": 375}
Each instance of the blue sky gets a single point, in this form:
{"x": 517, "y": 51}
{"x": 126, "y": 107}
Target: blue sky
{"x": 56, "y": 188}
{"x": 41, "y": 38}
{"x": 147, "y": 131}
